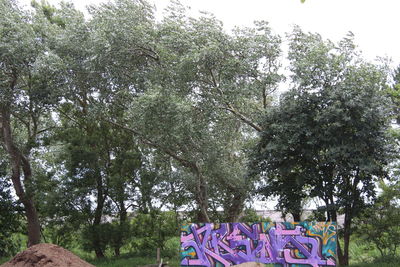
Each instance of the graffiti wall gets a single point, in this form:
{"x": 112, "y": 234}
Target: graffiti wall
{"x": 284, "y": 244}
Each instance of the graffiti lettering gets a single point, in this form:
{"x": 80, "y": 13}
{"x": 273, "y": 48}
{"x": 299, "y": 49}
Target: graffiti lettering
{"x": 289, "y": 244}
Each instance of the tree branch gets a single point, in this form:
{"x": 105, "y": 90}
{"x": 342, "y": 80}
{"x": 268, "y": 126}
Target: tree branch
{"x": 152, "y": 143}
{"x": 231, "y": 109}
{"x": 243, "y": 118}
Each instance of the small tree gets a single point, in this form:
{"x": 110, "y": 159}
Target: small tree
{"x": 327, "y": 138}
{"x": 29, "y": 82}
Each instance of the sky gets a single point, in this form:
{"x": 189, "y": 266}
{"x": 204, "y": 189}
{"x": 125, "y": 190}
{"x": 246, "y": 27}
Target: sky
{"x": 373, "y": 22}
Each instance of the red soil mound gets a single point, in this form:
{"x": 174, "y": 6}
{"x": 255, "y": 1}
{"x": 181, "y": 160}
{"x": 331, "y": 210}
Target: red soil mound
{"x": 46, "y": 255}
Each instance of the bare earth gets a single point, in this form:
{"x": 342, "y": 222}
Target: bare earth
{"x": 46, "y": 255}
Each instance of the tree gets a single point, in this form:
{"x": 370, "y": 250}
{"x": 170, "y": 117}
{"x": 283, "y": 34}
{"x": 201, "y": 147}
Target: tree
{"x": 327, "y": 138}
{"x": 28, "y": 89}
{"x": 204, "y": 94}
{"x": 394, "y": 93}
{"x": 153, "y": 76}
{"x": 100, "y": 164}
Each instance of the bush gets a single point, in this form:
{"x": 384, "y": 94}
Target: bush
{"x": 100, "y": 234}
{"x": 172, "y": 247}
{"x": 379, "y": 223}
{"x": 250, "y": 216}
{"x": 151, "y": 231}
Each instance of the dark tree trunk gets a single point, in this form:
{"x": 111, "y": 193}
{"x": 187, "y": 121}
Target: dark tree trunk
{"x": 123, "y": 218}
{"x": 97, "y": 218}
{"x": 202, "y": 198}
{"x": 236, "y": 205}
{"x": 344, "y": 259}
{"x": 117, "y": 251}
{"x": 339, "y": 248}
{"x": 33, "y": 222}
{"x": 328, "y": 216}
{"x": 296, "y": 210}
{"x": 97, "y": 250}
{"x": 296, "y": 216}
{"x": 19, "y": 161}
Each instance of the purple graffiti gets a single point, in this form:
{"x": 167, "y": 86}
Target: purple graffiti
{"x": 234, "y": 243}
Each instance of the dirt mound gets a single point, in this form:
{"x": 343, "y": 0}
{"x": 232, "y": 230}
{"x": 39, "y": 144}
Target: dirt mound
{"x": 46, "y": 255}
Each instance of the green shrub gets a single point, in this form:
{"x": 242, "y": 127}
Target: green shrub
{"x": 379, "y": 223}
{"x": 10, "y": 220}
{"x": 251, "y": 216}
{"x": 100, "y": 234}
{"x": 172, "y": 247}
{"x": 151, "y": 231}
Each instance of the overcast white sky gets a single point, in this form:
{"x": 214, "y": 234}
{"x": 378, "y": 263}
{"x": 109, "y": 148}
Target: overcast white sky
{"x": 375, "y": 23}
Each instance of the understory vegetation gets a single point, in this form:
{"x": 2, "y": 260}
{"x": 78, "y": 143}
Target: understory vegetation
{"x": 362, "y": 254}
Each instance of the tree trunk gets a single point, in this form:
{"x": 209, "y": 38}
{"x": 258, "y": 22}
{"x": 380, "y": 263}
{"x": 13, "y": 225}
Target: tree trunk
{"x": 328, "y": 216}
{"x": 123, "y": 216}
{"x": 33, "y": 222}
{"x": 296, "y": 210}
{"x": 344, "y": 259}
{"x": 339, "y": 248}
{"x": 97, "y": 218}
{"x": 235, "y": 209}
{"x": 202, "y": 198}
{"x": 296, "y": 216}
{"x": 19, "y": 161}
{"x": 97, "y": 250}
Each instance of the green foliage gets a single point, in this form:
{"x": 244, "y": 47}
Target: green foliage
{"x": 153, "y": 230}
{"x": 124, "y": 113}
{"x": 394, "y": 93}
{"x": 10, "y": 220}
{"x": 172, "y": 247}
{"x": 48, "y": 11}
{"x": 250, "y": 216}
{"x": 131, "y": 261}
{"x": 327, "y": 138}
{"x": 379, "y": 223}
{"x": 327, "y": 133}
{"x": 366, "y": 254}
{"x": 317, "y": 215}
{"x": 103, "y": 234}
{"x": 10, "y": 214}
{"x": 106, "y": 236}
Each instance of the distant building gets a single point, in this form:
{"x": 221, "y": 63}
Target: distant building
{"x": 276, "y": 216}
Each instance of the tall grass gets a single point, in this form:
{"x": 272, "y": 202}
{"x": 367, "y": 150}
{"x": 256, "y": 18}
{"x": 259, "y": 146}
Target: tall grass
{"x": 364, "y": 254}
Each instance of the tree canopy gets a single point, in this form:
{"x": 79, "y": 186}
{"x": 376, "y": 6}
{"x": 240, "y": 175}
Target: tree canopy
{"x": 328, "y": 136}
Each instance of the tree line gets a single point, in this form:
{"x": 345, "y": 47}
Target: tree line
{"x": 121, "y": 112}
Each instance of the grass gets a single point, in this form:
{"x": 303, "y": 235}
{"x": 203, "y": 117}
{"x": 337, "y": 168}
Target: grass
{"x": 133, "y": 261}
{"x": 3, "y": 260}
{"x": 129, "y": 260}
{"x": 375, "y": 265}
{"x": 122, "y": 262}
{"x": 137, "y": 261}
{"x": 362, "y": 254}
